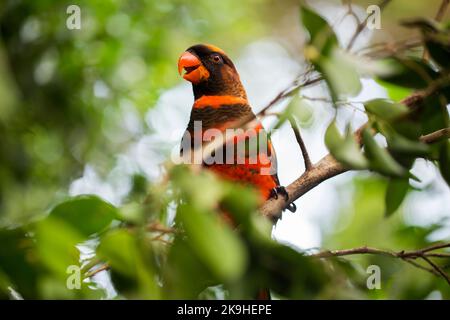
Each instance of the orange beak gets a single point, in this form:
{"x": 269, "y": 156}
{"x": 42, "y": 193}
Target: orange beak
{"x": 195, "y": 71}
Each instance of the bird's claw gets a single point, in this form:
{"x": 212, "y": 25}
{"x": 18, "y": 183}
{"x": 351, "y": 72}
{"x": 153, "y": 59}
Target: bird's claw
{"x": 279, "y": 190}
{"x": 282, "y": 191}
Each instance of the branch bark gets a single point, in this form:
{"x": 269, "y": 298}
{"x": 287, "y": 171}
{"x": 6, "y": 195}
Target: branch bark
{"x": 436, "y": 136}
{"x": 427, "y": 252}
{"x": 408, "y": 256}
{"x": 326, "y": 168}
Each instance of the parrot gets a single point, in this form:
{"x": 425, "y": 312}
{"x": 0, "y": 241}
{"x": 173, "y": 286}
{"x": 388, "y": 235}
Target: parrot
{"x": 220, "y": 101}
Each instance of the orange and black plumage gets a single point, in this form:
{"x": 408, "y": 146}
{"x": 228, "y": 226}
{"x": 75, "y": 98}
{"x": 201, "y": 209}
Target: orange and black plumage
{"x": 220, "y": 102}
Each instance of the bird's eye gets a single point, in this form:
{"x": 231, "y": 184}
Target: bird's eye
{"x": 217, "y": 58}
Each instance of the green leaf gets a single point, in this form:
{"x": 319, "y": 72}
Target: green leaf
{"x": 131, "y": 263}
{"x": 87, "y": 214}
{"x": 400, "y": 144}
{"x": 321, "y": 35}
{"x": 119, "y": 248}
{"x": 241, "y": 201}
{"x": 277, "y": 266}
{"x": 132, "y": 212}
{"x": 444, "y": 161}
{"x": 300, "y": 109}
{"x": 365, "y": 66}
{"x": 437, "y": 40}
{"x": 185, "y": 276}
{"x": 380, "y": 159}
{"x": 385, "y": 109}
{"x": 56, "y": 242}
{"x": 410, "y": 73}
{"x": 340, "y": 75}
{"x": 303, "y": 113}
{"x": 403, "y": 145}
{"x": 395, "y": 193}
{"x": 202, "y": 189}
{"x": 438, "y": 45}
{"x": 339, "y": 72}
{"x": 19, "y": 267}
{"x": 52, "y": 288}
{"x": 344, "y": 149}
{"x": 395, "y": 93}
{"x": 56, "y": 248}
{"x": 215, "y": 243}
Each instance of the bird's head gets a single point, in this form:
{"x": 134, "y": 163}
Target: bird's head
{"x": 210, "y": 71}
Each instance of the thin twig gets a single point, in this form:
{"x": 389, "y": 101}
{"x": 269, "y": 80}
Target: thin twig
{"x": 338, "y": 102}
{"x": 351, "y": 12}
{"x": 92, "y": 273}
{"x": 347, "y": 252}
{"x": 439, "y": 255}
{"x": 360, "y": 27}
{"x": 426, "y": 252}
{"x": 158, "y": 227}
{"x": 161, "y": 239}
{"x": 419, "y": 266}
{"x": 441, "y": 12}
{"x": 301, "y": 143}
{"x": 390, "y": 49}
{"x": 293, "y": 88}
{"x": 436, "y": 136}
{"x": 391, "y": 46}
{"x": 408, "y": 256}
{"x": 438, "y": 269}
{"x": 438, "y": 18}
{"x": 436, "y": 247}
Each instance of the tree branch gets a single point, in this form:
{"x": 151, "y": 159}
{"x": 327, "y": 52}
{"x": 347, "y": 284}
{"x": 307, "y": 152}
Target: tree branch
{"x": 326, "y": 168}
{"x": 301, "y": 143}
{"x": 408, "y": 256}
{"x": 436, "y": 136}
{"x": 437, "y": 268}
{"x": 414, "y": 254}
{"x": 329, "y": 167}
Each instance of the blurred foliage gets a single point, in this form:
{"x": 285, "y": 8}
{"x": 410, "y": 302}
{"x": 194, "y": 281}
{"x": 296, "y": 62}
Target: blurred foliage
{"x": 372, "y": 230}
{"x": 65, "y": 95}
{"x": 65, "y": 92}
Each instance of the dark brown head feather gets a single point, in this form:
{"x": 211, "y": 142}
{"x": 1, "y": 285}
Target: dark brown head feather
{"x": 224, "y": 78}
